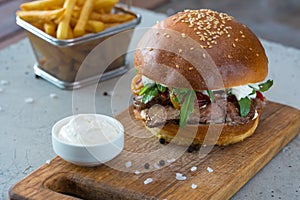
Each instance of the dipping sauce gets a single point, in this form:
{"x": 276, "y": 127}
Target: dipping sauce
{"x": 88, "y": 130}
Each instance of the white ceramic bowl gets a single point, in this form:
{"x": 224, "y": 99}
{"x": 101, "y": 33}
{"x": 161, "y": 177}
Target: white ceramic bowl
{"x": 88, "y": 154}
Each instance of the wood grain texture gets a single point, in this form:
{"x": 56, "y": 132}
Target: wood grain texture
{"x": 233, "y": 166}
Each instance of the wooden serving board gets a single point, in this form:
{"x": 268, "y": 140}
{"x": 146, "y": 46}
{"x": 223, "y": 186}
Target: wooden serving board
{"x": 232, "y": 166}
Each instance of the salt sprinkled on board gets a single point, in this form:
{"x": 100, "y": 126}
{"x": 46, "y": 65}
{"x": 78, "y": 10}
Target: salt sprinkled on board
{"x": 193, "y": 169}
{"x": 180, "y": 177}
{"x": 171, "y": 160}
{"x": 29, "y": 100}
{"x": 194, "y": 186}
{"x": 156, "y": 166}
{"x": 4, "y": 82}
{"x": 148, "y": 180}
{"x": 209, "y": 169}
{"x": 128, "y": 164}
{"x": 137, "y": 172}
{"x": 53, "y": 96}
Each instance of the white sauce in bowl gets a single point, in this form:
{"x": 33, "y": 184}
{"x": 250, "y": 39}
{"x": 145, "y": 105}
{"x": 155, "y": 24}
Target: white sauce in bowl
{"x": 89, "y": 130}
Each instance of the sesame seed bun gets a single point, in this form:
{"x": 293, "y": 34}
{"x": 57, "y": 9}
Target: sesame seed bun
{"x": 202, "y": 49}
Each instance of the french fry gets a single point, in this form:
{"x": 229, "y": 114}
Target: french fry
{"x": 37, "y": 16}
{"x": 87, "y": 8}
{"x": 111, "y": 18}
{"x": 95, "y": 26}
{"x": 42, "y": 5}
{"x": 38, "y": 25}
{"x": 80, "y": 2}
{"x": 100, "y": 4}
{"x": 64, "y": 25}
{"x": 70, "y": 32}
{"x": 50, "y": 29}
{"x": 109, "y": 25}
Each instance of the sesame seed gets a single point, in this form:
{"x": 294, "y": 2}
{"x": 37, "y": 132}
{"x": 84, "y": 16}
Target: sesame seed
{"x": 250, "y": 49}
{"x": 204, "y": 55}
{"x": 180, "y": 50}
{"x": 190, "y": 68}
{"x": 151, "y": 49}
{"x": 228, "y": 35}
{"x": 243, "y": 36}
{"x": 233, "y": 45}
{"x": 177, "y": 66}
{"x": 167, "y": 36}
{"x": 206, "y": 23}
{"x": 192, "y": 48}
{"x": 236, "y": 39}
{"x": 183, "y": 35}
{"x": 241, "y": 32}
{"x": 257, "y": 54}
{"x": 229, "y": 56}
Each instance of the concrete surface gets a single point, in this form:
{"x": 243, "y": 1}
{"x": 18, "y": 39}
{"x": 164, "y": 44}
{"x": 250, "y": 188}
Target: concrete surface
{"x": 25, "y": 131}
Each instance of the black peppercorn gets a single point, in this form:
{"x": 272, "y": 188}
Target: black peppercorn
{"x": 162, "y": 141}
{"x": 190, "y": 149}
{"x": 161, "y": 162}
{"x": 147, "y": 165}
{"x": 196, "y": 147}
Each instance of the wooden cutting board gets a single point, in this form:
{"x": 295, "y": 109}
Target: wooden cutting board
{"x": 232, "y": 166}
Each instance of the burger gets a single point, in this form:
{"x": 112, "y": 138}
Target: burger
{"x": 196, "y": 70}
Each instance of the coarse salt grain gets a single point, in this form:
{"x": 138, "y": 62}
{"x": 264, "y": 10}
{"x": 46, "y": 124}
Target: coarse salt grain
{"x": 209, "y": 169}
{"x": 4, "y": 82}
{"x": 194, "y": 186}
{"x": 53, "y": 96}
{"x": 29, "y": 100}
{"x": 156, "y": 166}
{"x": 148, "y": 180}
{"x": 137, "y": 172}
{"x": 128, "y": 164}
{"x": 180, "y": 177}
{"x": 171, "y": 160}
{"x": 193, "y": 169}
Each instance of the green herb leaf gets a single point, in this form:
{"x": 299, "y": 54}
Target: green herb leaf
{"x": 180, "y": 93}
{"x": 265, "y": 86}
{"x": 211, "y": 95}
{"x": 150, "y": 94}
{"x": 146, "y": 88}
{"x": 244, "y": 106}
{"x": 161, "y": 88}
{"x": 187, "y": 107}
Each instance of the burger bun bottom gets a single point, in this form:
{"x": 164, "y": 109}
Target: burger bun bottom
{"x": 212, "y": 134}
